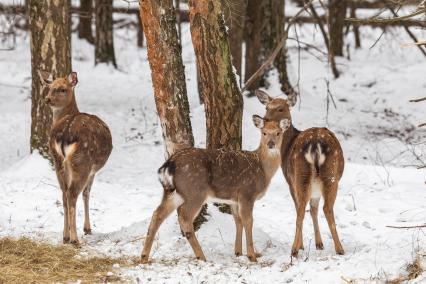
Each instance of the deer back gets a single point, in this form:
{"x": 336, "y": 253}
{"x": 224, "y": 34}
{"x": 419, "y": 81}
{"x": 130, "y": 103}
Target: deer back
{"x": 222, "y": 173}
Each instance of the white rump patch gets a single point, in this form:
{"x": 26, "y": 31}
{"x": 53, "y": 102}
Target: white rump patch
{"x": 308, "y": 155}
{"x": 166, "y": 178}
{"x": 321, "y": 155}
{"x": 69, "y": 149}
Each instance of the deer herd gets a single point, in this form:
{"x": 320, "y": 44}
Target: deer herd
{"x": 311, "y": 161}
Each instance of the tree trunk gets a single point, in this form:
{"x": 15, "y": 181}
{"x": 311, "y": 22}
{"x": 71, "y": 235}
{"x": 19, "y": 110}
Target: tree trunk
{"x": 222, "y": 98}
{"x": 355, "y": 27}
{"x": 235, "y": 18}
{"x": 273, "y": 33}
{"x": 140, "y": 32}
{"x": 167, "y": 72}
{"x": 168, "y": 78}
{"x": 50, "y": 51}
{"x": 337, "y": 14}
{"x": 254, "y": 25}
{"x": 104, "y": 44}
{"x": 85, "y": 24}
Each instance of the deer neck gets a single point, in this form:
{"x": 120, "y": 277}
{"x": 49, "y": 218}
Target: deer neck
{"x": 271, "y": 161}
{"x": 288, "y": 138}
{"x": 70, "y": 109}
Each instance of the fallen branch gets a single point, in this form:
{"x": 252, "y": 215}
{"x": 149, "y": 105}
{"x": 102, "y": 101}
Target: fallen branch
{"x": 407, "y": 227}
{"x": 418, "y": 100}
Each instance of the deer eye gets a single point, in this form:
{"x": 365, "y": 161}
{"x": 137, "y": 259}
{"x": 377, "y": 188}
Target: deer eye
{"x": 280, "y": 110}
{"x": 278, "y": 134}
{"x": 264, "y": 133}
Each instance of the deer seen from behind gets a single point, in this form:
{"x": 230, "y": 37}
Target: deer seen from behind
{"x": 194, "y": 176}
{"x": 80, "y": 145}
{"x": 312, "y": 163}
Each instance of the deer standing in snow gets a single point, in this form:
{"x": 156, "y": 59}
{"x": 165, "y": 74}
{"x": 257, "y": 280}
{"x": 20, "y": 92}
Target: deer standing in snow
{"x": 80, "y": 145}
{"x": 193, "y": 176}
{"x": 312, "y": 163}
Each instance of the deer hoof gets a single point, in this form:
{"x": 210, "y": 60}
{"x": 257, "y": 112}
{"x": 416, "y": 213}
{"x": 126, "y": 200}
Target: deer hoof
{"x": 88, "y": 231}
{"x": 202, "y": 258}
{"x": 320, "y": 246}
{"x": 252, "y": 258}
{"x": 238, "y": 253}
{"x": 75, "y": 243}
{"x": 66, "y": 240}
{"x": 340, "y": 251}
{"x": 144, "y": 259}
{"x": 294, "y": 252}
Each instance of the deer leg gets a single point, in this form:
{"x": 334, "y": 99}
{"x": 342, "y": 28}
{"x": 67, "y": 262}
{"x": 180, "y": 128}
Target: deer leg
{"x": 329, "y": 199}
{"x": 160, "y": 214}
{"x": 86, "y": 196}
{"x": 76, "y": 185}
{"x": 186, "y": 215}
{"x": 314, "y": 214}
{"x": 239, "y": 231}
{"x": 246, "y": 215}
{"x": 66, "y": 233}
{"x": 61, "y": 180}
{"x": 298, "y": 238}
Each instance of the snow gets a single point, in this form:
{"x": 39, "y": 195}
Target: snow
{"x": 373, "y": 120}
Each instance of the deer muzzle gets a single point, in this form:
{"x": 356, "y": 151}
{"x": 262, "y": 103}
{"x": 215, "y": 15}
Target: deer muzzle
{"x": 271, "y": 145}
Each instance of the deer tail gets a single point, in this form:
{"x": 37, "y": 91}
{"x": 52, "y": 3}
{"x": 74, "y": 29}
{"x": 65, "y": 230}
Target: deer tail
{"x": 166, "y": 175}
{"x": 315, "y": 156}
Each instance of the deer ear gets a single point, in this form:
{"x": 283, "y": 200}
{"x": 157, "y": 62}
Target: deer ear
{"x": 72, "y": 79}
{"x": 263, "y": 97}
{"x": 258, "y": 121}
{"x": 284, "y": 124}
{"x": 46, "y": 77}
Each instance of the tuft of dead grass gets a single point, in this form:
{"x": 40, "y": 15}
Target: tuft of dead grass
{"x": 27, "y": 261}
{"x": 414, "y": 270}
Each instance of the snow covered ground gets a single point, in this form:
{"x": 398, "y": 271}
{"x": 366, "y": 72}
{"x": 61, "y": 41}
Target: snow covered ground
{"x": 373, "y": 120}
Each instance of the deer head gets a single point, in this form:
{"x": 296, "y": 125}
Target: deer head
{"x": 271, "y": 131}
{"x": 276, "y": 108}
{"x": 61, "y": 90}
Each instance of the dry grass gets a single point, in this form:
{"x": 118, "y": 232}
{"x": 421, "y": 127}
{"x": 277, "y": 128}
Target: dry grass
{"x": 27, "y": 261}
{"x": 413, "y": 269}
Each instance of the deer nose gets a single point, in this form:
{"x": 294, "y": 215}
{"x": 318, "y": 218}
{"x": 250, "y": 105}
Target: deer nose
{"x": 271, "y": 145}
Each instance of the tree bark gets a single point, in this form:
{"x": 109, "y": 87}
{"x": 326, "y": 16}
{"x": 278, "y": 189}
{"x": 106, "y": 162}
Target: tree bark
{"x": 274, "y": 34}
{"x": 104, "y": 44}
{"x": 355, "y": 27}
{"x": 254, "y": 25}
{"x": 50, "y": 38}
{"x": 140, "y": 32}
{"x": 235, "y": 18}
{"x": 222, "y": 98}
{"x": 337, "y": 14}
{"x": 167, "y": 72}
{"x": 85, "y": 24}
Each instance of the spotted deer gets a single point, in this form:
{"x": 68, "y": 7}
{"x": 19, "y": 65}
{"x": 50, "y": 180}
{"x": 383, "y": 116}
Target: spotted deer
{"x": 80, "y": 145}
{"x": 192, "y": 176}
{"x": 312, "y": 163}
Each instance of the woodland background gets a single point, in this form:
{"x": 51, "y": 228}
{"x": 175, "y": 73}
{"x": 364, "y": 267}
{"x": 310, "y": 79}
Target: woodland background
{"x": 168, "y": 75}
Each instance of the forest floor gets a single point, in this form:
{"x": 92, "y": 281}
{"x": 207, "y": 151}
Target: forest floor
{"x": 373, "y": 119}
